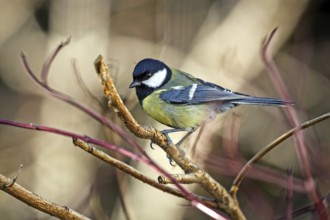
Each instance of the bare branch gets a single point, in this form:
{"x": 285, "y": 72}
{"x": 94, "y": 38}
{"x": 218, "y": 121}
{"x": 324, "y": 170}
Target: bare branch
{"x": 15, "y": 178}
{"x": 188, "y": 178}
{"x": 270, "y": 147}
{"x": 83, "y": 85}
{"x": 124, "y": 167}
{"x": 49, "y": 61}
{"x": 37, "y": 202}
{"x": 289, "y": 195}
{"x": 135, "y": 173}
{"x": 85, "y": 138}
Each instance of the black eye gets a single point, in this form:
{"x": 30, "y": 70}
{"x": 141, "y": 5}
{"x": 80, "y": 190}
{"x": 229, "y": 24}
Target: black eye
{"x": 146, "y": 75}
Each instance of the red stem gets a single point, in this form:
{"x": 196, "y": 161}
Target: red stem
{"x": 301, "y": 148}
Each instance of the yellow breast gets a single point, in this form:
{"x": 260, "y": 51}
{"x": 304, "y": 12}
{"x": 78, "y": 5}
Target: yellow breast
{"x": 176, "y": 116}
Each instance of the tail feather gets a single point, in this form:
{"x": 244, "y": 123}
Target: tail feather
{"x": 261, "y": 101}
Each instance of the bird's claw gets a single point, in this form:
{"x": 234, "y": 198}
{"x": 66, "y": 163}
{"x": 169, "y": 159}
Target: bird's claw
{"x": 168, "y": 139}
{"x": 165, "y": 133}
{"x": 170, "y": 160}
{"x": 152, "y": 143}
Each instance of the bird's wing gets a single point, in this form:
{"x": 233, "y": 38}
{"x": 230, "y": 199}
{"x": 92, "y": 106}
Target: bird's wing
{"x": 203, "y": 92}
{"x": 197, "y": 93}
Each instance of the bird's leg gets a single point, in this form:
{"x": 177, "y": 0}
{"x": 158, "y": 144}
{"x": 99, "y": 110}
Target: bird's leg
{"x": 190, "y": 131}
{"x": 166, "y": 132}
{"x": 169, "y": 140}
{"x": 173, "y": 130}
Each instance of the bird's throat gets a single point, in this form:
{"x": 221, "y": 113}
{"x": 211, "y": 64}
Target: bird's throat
{"x": 142, "y": 92}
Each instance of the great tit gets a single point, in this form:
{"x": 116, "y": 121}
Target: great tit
{"x": 183, "y": 102}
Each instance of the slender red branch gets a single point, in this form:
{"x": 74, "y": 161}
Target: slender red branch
{"x": 49, "y": 61}
{"x": 271, "y": 146}
{"x": 258, "y": 172}
{"x": 43, "y": 83}
{"x": 301, "y": 148}
{"x": 289, "y": 195}
{"x": 85, "y": 138}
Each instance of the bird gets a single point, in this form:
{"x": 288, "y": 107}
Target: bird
{"x": 183, "y": 102}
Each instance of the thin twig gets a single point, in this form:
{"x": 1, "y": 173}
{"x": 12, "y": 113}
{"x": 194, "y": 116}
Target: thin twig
{"x": 289, "y": 195}
{"x": 124, "y": 167}
{"x": 271, "y": 146}
{"x": 188, "y": 178}
{"x": 85, "y": 138}
{"x": 260, "y": 173}
{"x": 199, "y": 134}
{"x": 122, "y": 186}
{"x": 300, "y": 211}
{"x": 15, "y": 178}
{"x": 37, "y": 202}
{"x": 83, "y": 85}
{"x": 49, "y": 61}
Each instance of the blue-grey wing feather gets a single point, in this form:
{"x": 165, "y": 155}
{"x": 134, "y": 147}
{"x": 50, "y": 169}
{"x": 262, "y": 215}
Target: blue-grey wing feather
{"x": 208, "y": 92}
{"x": 203, "y": 92}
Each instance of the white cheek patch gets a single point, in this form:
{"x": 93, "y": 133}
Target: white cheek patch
{"x": 157, "y": 79}
{"x": 192, "y": 91}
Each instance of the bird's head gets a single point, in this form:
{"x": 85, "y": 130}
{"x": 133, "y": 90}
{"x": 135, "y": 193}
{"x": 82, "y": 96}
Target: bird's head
{"x": 150, "y": 74}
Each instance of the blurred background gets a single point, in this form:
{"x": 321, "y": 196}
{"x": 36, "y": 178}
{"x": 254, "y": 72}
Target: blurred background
{"x": 219, "y": 41}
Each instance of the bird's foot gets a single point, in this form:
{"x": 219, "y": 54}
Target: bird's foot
{"x": 168, "y": 139}
{"x": 152, "y": 143}
{"x": 170, "y": 160}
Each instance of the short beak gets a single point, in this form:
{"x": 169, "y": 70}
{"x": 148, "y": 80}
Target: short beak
{"x": 135, "y": 84}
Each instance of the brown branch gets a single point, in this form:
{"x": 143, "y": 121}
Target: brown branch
{"x": 135, "y": 173}
{"x": 224, "y": 201}
{"x": 270, "y": 147}
{"x": 181, "y": 178}
{"x": 31, "y": 199}
{"x": 124, "y": 167}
